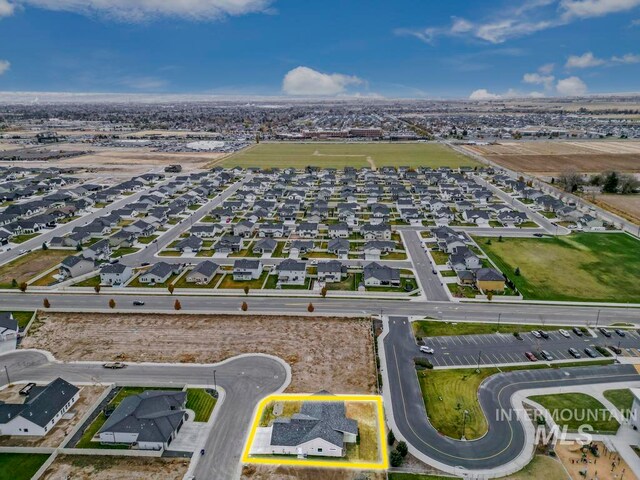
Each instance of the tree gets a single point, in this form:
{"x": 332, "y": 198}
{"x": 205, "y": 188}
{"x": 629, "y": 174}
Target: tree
{"x": 517, "y": 271}
{"x": 628, "y": 184}
{"x": 244, "y": 307}
{"x": 23, "y": 287}
{"x": 44, "y": 246}
{"x": 246, "y": 289}
{"x": 391, "y": 438}
{"x": 171, "y": 288}
{"x": 14, "y": 283}
{"x": 489, "y": 296}
{"x": 395, "y": 459}
{"x": 177, "y": 305}
{"x": 97, "y": 288}
{"x": 500, "y": 239}
{"x": 112, "y": 303}
{"x": 610, "y": 182}
{"x": 570, "y": 180}
{"x": 324, "y": 291}
{"x": 310, "y": 308}
{"x": 79, "y": 247}
{"x": 45, "y": 303}
{"x": 402, "y": 448}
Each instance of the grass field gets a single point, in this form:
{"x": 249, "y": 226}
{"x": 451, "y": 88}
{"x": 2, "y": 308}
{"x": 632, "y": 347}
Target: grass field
{"x": 428, "y": 328}
{"x": 621, "y": 398}
{"x": 339, "y": 155}
{"x": 201, "y": 403}
{"x": 596, "y": 267}
{"x": 28, "y": 266}
{"x": 20, "y": 466}
{"x": 576, "y": 409}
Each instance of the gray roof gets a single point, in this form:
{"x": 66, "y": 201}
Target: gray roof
{"x": 489, "y": 275}
{"x": 7, "y": 322}
{"x": 290, "y": 265}
{"x": 160, "y": 269}
{"x": 113, "y": 268}
{"x": 206, "y": 268}
{"x": 381, "y": 272}
{"x": 246, "y": 264}
{"x": 153, "y": 414}
{"x": 330, "y": 266}
{"x": 72, "y": 261}
{"x": 42, "y": 405}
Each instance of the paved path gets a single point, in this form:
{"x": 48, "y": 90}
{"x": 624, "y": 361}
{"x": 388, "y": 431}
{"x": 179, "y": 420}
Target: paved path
{"x": 505, "y": 439}
{"x": 246, "y": 380}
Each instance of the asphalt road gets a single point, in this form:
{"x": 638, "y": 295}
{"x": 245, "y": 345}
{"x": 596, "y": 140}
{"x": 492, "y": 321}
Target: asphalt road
{"x": 431, "y": 284}
{"x": 246, "y": 380}
{"x": 500, "y": 348}
{"x": 505, "y": 438}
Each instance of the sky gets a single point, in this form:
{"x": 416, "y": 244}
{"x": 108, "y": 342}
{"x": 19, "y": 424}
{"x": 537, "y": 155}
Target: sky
{"x": 366, "y": 48}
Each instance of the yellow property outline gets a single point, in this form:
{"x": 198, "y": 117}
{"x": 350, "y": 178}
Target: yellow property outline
{"x": 377, "y": 399}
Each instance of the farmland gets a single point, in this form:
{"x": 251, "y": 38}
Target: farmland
{"x": 586, "y": 267}
{"x": 339, "y": 155}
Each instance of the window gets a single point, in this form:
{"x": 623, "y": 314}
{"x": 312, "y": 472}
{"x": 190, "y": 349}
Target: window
{"x": 319, "y": 450}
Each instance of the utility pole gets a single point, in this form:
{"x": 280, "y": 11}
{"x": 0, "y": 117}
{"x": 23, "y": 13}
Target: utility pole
{"x": 215, "y": 384}
{"x": 598, "y": 318}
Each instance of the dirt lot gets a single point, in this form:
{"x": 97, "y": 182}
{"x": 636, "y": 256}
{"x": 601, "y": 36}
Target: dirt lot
{"x": 596, "y": 467}
{"x": 627, "y": 206}
{"x": 554, "y": 157}
{"x": 268, "y": 472}
{"x": 88, "y": 397}
{"x": 81, "y": 467}
{"x": 28, "y": 266}
{"x": 337, "y": 353}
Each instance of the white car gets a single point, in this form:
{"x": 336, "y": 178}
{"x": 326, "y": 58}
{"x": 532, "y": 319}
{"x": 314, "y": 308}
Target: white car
{"x": 564, "y": 333}
{"x": 536, "y": 333}
{"x": 425, "y": 349}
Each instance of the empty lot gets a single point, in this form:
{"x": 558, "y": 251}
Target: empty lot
{"x": 29, "y": 265}
{"x": 83, "y": 467}
{"x": 324, "y": 353}
{"x": 339, "y": 155}
{"x": 626, "y": 206}
{"x": 554, "y": 157}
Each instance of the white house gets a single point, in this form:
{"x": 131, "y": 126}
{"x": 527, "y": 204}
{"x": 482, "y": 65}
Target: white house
{"x": 115, "y": 274}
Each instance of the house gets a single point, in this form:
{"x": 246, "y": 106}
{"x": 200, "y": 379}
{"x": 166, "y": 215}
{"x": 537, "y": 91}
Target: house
{"x": 191, "y": 244}
{"x": 307, "y": 230}
{"x": 381, "y": 231}
{"x": 375, "y": 248}
{"x": 8, "y": 328}
{"x": 42, "y": 410}
{"x": 320, "y": 429}
{"x": 271, "y": 229}
{"x": 150, "y": 420}
{"x": 376, "y": 275}
{"x": 160, "y": 273}
{"x": 203, "y": 273}
{"x": 245, "y": 269}
{"x": 75, "y": 266}
{"x": 489, "y": 280}
{"x": 243, "y": 229}
{"x": 339, "y": 247}
{"x": 291, "y": 272}
{"x": 300, "y": 247}
{"x": 100, "y": 250}
{"x": 229, "y": 244}
{"x": 464, "y": 259}
{"x": 115, "y": 274}
{"x": 265, "y": 245}
{"x": 339, "y": 230}
{"x": 588, "y": 222}
{"x": 479, "y": 217}
{"x": 331, "y": 272}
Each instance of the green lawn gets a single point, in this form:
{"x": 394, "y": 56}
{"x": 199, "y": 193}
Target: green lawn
{"x": 124, "y": 251}
{"x": 579, "y": 267}
{"x": 621, "y": 398}
{"x": 458, "y": 388}
{"x": 576, "y": 409}
{"x": 201, "y": 403}
{"x": 229, "y": 282}
{"x": 24, "y": 238}
{"x": 429, "y": 328}
{"x": 89, "y": 282}
{"x": 20, "y": 466}
{"x": 339, "y": 155}
{"x": 146, "y": 240}
{"x": 22, "y": 318}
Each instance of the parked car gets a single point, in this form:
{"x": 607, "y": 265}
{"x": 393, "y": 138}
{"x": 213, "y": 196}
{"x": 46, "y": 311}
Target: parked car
{"x": 621, "y": 333}
{"x": 614, "y": 349}
{"x": 138, "y": 303}
{"x": 543, "y": 334}
{"x": 426, "y": 349}
{"x": 577, "y": 331}
{"x": 114, "y": 365}
{"x": 536, "y": 333}
{"x": 590, "y": 352}
{"x": 605, "y": 332}
{"x": 574, "y": 353}
{"x": 531, "y": 356}
{"x": 546, "y": 355}
{"x": 564, "y": 333}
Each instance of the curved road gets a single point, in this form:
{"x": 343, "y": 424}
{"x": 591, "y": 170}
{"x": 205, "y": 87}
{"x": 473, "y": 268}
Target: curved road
{"x": 505, "y": 439}
{"x": 245, "y": 380}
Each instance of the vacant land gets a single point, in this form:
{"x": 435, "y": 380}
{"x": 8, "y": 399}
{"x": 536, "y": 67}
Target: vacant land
{"x": 284, "y": 472}
{"x": 20, "y": 466}
{"x": 339, "y": 155}
{"x": 27, "y": 266}
{"x": 553, "y": 157}
{"x": 337, "y": 354}
{"x": 626, "y": 206}
{"x": 82, "y": 467}
{"x": 591, "y": 267}
{"x": 576, "y": 409}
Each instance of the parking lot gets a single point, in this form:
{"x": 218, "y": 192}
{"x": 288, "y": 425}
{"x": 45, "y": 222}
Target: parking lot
{"x": 502, "y": 348}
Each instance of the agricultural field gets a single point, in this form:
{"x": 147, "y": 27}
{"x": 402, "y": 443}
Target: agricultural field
{"x": 552, "y": 157}
{"x": 339, "y": 155}
{"x": 584, "y": 267}
{"x": 625, "y": 206}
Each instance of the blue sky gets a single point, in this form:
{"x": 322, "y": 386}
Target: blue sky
{"x": 399, "y": 48}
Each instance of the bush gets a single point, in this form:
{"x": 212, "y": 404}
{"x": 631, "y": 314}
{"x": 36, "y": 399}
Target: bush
{"x": 603, "y": 351}
{"x": 391, "y": 438}
{"x": 395, "y": 459}
{"x": 112, "y": 303}
{"x": 517, "y": 271}
{"x": 97, "y": 288}
{"x": 402, "y": 448}
{"x": 23, "y": 287}
{"x": 422, "y": 363}
{"x": 45, "y": 303}
{"x": 310, "y": 308}
{"x": 246, "y": 289}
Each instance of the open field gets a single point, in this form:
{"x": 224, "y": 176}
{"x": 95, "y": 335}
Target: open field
{"x": 84, "y": 467}
{"x": 591, "y": 267}
{"x": 287, "y": 472}
{"x": 576, "y": 409}
{"x": 553, "y": 157}
{"x": 337, "y": 354}
{"x": 339, "y": 155}
{"x": 29, "y": 265}
{"x": 20, "y": 466}
{"x": 626, "y": 206}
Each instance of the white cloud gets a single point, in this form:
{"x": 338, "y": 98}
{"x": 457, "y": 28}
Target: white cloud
{"x": 586, "y": 60}
{"x": 4, "y": 66}
{"x": 628, "y": 58}
{"x": 6, "y": 8}
{"x": 306, "y": 81}
{"x": 538, "y": 79}
{"x": 144, "y": 10}
{"x": 595, "y": 8}
{"x": 483, "y": 94}
{"x": 547, "y": 68}
{"x": 571, "y": 87}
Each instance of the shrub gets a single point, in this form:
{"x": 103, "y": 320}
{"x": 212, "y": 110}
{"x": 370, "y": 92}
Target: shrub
{"x": 171, "y": 288}
{"x": 324, "y": 291}
{"x": 395, "y": 459}
{"x": 177, "y": 305}
{"x": 45, "y": 303}
{"x": 311, "y": 308}
{"x": 97, "y": 288}
{"x": 112, "y": 303}
{"x": 517, "y": 271}
{"x": 603, "y": 351}
{"x": 246, "y": 289}
{"x": 391, "y": 438}
{"x": 244, "y": 307}
{"x": 422, "y": 363}
{"x": 23, "y": 287}
{"x": 402, "y": 448}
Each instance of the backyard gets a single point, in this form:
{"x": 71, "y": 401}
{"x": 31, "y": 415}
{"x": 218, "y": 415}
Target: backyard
{"x": 579, "y": 267}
